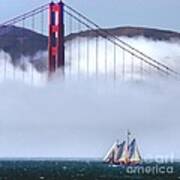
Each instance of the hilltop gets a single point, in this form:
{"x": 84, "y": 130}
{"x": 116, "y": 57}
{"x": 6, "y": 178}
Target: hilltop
{"x": 149, "y": 33}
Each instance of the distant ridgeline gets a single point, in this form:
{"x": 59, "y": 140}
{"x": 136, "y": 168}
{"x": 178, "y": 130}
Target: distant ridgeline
{"x": 18, "y": 41}
{"x": 149, "y": 33}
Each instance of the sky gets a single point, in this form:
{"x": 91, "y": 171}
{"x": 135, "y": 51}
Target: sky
{"x": 159, "y": 14}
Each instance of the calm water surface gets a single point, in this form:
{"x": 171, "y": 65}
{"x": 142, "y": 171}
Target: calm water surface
{"x": 84, "y": 170}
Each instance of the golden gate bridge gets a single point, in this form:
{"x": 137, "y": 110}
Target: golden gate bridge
{"x": 77, "y": 45}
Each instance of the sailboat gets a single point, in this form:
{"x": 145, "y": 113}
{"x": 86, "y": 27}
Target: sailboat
{"x": 125, "y": 153}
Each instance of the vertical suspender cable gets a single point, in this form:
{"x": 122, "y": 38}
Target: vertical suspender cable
{"x": 5, "y": 65}
{"x": 42, "y": 22}
{"x": 132, "y": 66}
{"x": 13, "y": 64}
{"x": 123, "y": 64}
{"x": 70, "y": 44}
{"x": 87, "y": 54}
{"x": 32, "y": 62}
{"x": 105, "y": 40}
{"x": 42, "y": 32}
{"x": 23, "y": 49}
{"x": 115, "y": 61}
{"x": 79, "y": 48}
{"x": 141, "y": 70}
{"x": 97, "y": 54}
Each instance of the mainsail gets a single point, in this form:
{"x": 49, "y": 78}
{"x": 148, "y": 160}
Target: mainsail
{"x": 123, "y": 153}
{"x": 134, "y": 154}
{"x": 119, "y": 149}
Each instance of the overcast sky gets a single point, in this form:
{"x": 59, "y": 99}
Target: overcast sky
{"x": 152, "y": 13}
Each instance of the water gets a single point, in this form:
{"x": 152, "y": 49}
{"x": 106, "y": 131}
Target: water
{"x": 80, "y": 170}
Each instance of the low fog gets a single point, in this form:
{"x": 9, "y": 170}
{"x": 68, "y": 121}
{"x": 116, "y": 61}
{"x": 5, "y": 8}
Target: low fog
{"x": 82, "y": 117}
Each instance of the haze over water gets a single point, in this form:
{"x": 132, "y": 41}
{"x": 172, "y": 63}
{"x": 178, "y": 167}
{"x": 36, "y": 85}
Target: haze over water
{"x": 82, "y": 113}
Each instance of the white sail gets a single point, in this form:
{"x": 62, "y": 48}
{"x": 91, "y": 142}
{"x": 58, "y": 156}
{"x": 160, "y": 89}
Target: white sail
{"x": 118, "y": 152}
{"x": 134, "y": 154}
{"x": 109, "y": 157}
{"x": 123, "y": 157}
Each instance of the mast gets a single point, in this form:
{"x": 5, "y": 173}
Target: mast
{"x": 128, "y": 139}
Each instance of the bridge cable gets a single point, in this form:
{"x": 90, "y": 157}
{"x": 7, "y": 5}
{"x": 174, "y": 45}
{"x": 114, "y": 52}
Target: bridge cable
{"x": 121, "y": 41}
{"x": 117, "y": 44}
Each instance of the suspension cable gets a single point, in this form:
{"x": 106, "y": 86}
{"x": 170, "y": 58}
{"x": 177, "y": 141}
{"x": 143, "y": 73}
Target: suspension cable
{"x": 121, "y": 41}
{"x": 117, "y": 44}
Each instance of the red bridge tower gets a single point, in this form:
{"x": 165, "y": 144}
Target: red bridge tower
{"x": 56, "y": 36}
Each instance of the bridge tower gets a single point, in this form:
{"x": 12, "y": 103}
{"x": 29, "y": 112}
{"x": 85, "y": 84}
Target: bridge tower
{"x": 56, "y": 37}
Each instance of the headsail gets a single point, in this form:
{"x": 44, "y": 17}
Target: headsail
{"x": 115, "y": 153}
{"x": 109, "y": 158}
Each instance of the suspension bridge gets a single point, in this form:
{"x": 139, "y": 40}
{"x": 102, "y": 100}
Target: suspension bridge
{"x": 78, "y": 46}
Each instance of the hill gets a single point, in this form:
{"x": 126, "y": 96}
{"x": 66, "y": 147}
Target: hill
{"x": 19, "y": 41}
{"x": 149, "y": 33}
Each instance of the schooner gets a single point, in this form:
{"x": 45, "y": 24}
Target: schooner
{"x": 125, "y": 153}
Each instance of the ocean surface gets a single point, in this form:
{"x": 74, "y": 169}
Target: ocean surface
{"x": 84, "y": 170}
